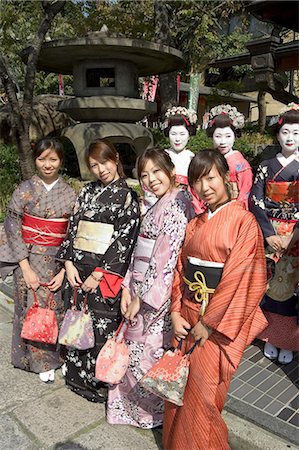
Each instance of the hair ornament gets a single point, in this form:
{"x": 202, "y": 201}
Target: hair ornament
{"x": 279, "y": 119}
{"x": 189, "y": 115}
{"x": 237, "y": 119}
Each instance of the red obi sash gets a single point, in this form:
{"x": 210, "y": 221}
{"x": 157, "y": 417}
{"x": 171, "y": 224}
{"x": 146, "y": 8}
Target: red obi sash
{"x": 46, "y": 232}
{"x": 283, "y": 191}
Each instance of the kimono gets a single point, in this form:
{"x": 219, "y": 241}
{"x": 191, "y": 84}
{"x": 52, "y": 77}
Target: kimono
{"x": 115, "y": 205}
{"x": 240, "y": 176}
{"x": 274, "y": 201}
{"x": 181, "y": 161}
{"x": 230, "y": 236}
{"x": 150, "y": 332}
{"x": 31, "y": 197}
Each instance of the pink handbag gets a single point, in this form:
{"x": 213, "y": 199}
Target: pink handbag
{"x": 113, "y": 359}
{"x": 77, "y": 328}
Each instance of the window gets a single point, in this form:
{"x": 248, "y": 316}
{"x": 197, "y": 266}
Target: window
{"x": 97, "y": 77}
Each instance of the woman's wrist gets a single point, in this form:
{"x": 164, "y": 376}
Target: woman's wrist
{"x": 97, "y": 279}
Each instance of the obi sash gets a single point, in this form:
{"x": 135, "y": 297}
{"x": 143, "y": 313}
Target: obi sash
{"x": 93, "y": 237}
{"x": 283, "y": 191}
{"x": 202, "y": 278}
{"x": 45, "y": 232}
{"x": 181, "y": 179}
{"x": 143, "y": 253}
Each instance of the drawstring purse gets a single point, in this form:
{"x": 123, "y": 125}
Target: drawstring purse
{"x": 168, "y": 377}
{"x": 40, "y": 324}
{"x": 77, "y": 329}
{"x": 113, "y": 359}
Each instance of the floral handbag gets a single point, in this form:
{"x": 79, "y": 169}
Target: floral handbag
{"x": 113, "y": 359}
{"x": 77, "y": 329}
{"x": 40, "y": 324}
{"x": 168, "y": 377}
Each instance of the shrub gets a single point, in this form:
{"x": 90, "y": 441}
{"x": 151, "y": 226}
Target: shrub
{"x": 10, "y": 175}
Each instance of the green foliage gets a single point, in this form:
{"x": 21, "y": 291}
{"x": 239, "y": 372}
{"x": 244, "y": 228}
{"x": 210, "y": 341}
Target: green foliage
{"x": 10, "y": 175}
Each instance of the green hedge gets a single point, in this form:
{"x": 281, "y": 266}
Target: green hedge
{"x": 10, "y": 175}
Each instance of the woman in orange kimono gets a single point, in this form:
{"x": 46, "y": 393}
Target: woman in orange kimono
{"x": 223, "y": 320}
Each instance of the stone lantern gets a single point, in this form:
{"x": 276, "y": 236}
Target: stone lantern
{"x": 106, "y": 70}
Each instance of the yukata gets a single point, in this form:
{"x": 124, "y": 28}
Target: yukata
{"x": 31, "y": 201}
{"x": 150, "y": 278}
{"x": 274, "y": 201}
{"x": 230, "y": 236}
{"x": 240, "y": 176}
{"x": 181, "y": 161}
{"x": 101, "y": 237}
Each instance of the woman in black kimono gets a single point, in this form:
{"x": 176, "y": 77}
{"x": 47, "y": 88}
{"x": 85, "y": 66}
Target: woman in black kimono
{"x": 97, "y": 251}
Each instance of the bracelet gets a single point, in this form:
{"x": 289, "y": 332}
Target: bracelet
{"x": 95, "y": 278}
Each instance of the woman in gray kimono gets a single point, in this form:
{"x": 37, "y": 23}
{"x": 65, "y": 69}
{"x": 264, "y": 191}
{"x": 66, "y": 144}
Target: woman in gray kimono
{"x": 97, "y": 251}
{"x": 35, "y": 225}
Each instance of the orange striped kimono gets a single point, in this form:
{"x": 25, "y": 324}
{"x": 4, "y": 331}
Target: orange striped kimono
{"x": 231, "y": 236}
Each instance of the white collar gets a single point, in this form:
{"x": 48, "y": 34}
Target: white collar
{"x": 212, "y": 213}
{"x": 285, "y": 161}
{"x": 50, "y": 186}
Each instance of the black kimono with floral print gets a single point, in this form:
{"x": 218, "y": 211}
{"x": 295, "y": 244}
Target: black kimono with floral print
{"x": 114, "y": 204}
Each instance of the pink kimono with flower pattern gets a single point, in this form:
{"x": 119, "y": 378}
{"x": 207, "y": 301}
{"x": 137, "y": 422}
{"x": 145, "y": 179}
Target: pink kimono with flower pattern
{"x": 150, "y": 332}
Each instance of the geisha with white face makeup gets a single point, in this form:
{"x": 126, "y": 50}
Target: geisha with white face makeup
{"x": 225, "y": 122}
{"x": 288, "y": 137}
{"x": 179, "y": 128}
{"x": 178, "y": 137}
{"x": 274, "y": 201}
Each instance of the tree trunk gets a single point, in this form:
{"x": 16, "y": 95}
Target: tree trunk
{"x": 262, "y": 106}
{"x": 168, "y": 81}
{"x": 21, "y": 111}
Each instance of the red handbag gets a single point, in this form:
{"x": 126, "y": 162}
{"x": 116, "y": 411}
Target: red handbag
{"x": 40, "y": 324}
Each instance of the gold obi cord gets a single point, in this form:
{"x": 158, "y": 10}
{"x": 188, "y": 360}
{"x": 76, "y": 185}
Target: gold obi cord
{"x": 201, "y": 290}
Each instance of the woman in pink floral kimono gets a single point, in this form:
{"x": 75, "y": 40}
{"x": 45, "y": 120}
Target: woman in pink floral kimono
{"x": 35, "y": 225}
{"x": 147, "y": 289}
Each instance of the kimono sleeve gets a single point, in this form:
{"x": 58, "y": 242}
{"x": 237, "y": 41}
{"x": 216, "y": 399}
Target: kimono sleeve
{"x": 65, "y": 252}
{"x": 244, "y": 181}
{"x": 157, "y": 285}
{"x": 178, "y": 285}
{"x": 126, "y": 227}
{"x": 243, "y": 282}
{"x": 257, "y": 202}
{"x": 16, "y": 247}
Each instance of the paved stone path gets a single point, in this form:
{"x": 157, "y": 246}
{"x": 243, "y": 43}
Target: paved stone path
{"x": 38, "y": 416}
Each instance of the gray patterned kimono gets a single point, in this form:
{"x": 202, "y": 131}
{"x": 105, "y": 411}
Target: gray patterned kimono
{"x": 32, "y": 197}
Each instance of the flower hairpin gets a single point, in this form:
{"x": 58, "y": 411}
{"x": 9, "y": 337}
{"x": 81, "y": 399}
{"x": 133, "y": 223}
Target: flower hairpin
{"x": 189, "y": 115}
{"x": 237, "y": 119}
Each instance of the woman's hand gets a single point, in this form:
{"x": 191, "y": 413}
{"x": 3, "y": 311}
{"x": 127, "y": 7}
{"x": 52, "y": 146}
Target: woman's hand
{"x": 200, "y": 333}
{"x": 133, "y": 308}
{"x": 56, "y": 281}
{"x": 125, "y": 300}
{"x": 72, "y": 274}
{"x": 92, "y": 282}
{"x": 275, "y": 242}
{"x": 180, "y": 326}
{"x": 31, "y": 278}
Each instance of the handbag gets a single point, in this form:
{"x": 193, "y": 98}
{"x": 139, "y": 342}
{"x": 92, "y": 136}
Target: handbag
{"x": 40, "y": 324}
{"x": 113, "y": 360}
{"x": 168, "y": 377}
{"x": 77, "y": 328}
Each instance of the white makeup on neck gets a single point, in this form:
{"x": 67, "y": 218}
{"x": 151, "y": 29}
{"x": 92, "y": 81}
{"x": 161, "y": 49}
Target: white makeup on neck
{"x": 223, "y": 139}
{"x": 288, "y": 137}
{"x": 178, "y": 137}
